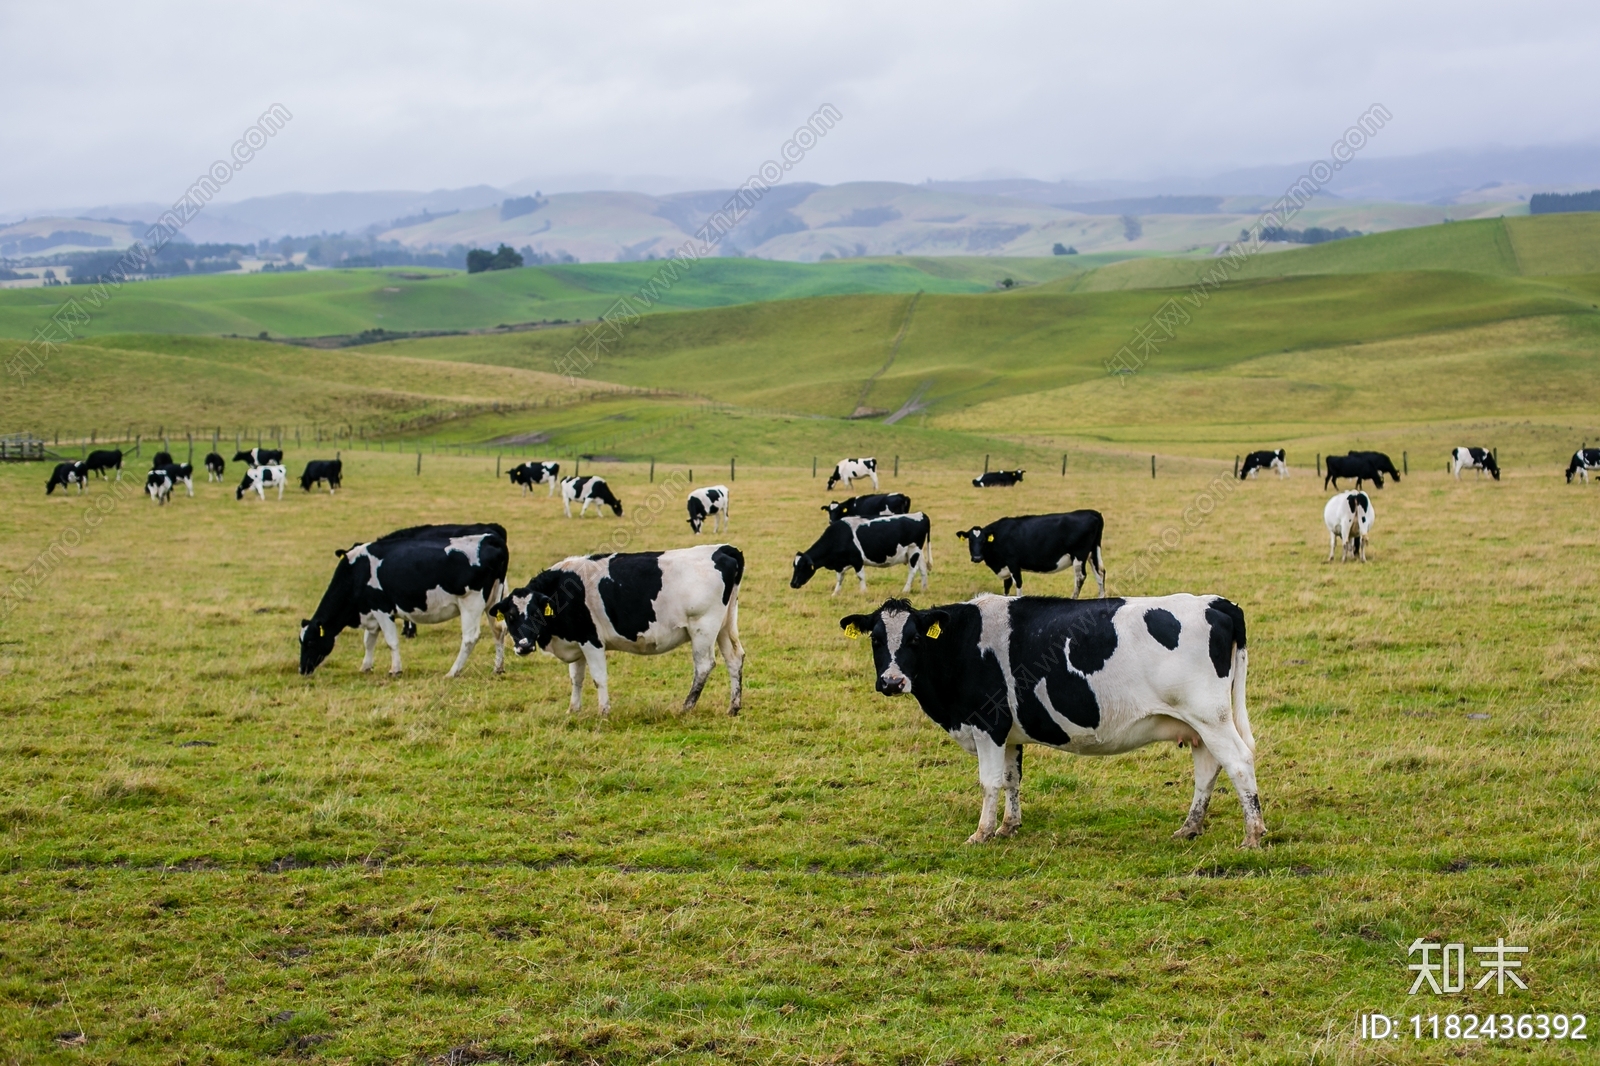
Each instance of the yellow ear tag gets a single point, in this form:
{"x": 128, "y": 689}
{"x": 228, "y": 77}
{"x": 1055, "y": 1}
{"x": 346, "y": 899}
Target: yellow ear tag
{"x": 933, "y": 632}
{"x": 990, "y": 538}
{"x": 852, "y": 631}
{"x": 549, "y": 610}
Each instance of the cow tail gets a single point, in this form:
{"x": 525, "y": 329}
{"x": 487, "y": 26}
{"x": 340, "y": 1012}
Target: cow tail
{"x": 927, "y": 551}
{"x": 1241, "y": 717}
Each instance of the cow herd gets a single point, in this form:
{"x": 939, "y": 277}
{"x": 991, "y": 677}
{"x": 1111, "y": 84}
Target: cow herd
{"x": 264, "y": 469}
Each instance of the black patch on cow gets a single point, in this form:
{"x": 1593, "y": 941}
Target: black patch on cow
{"x": 1227, "y": 632}
{"x": 1164, "y": 626}
{"x": 629, "y": 590}
{"x": 729, "y": 562}
{"x": 1092, "y": 646}
{"x": 1040, "y": 630}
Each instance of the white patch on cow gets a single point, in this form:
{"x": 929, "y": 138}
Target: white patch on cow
{"x": 360, "y": 551}
{"x": 468, "y": 546}
{"x": 439, "y": 606}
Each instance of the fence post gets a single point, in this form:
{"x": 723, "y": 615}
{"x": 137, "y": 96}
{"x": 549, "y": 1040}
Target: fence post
{"x": 1236, "y": 467}
{"x": 497, "y": 466}
{"x": 1496, "y": 453}
{"x": 1152, "y": 466}
{"x": 731, "y": 468}
{"x": 985, "y": 462}
{"x": 137, "y": 442}
{"x": 652, "y": 470}
{"x": 813, "y": 466}
{"x": 1405, "y": 465}
{"x": 897, "y": 466}
{"x": 1063, "y": 464}
{"x": 419, "y": 462}
{"x": 691, "y": 475}
{"x": 1319, "y": 464}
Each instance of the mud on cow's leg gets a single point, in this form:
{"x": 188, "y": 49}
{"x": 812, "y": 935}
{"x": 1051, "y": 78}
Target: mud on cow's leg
{"x": 1206, "y": 768}
{"x": 1013, "y": 786}
{"x": 992, "y": 776}
{"x": 703, "y": 644}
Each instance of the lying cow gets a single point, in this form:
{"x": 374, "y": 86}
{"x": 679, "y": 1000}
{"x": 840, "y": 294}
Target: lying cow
{"x": 105, "y": 459}
{"x": 160, "y": 482}
{"x": 319, "y": 470}
{"x": 588, "y": 490}
{"x": 260, "y": 478}
{"x": 1044, "y": 544}
{"x": 425, "y": 574}
{"x": 1348, "y": 517}
{"x": 873, "y": 506}
{"x": 1363, "y": 466}
{"x": 997, "y": 479}
{"x": 68, "y": 474}
{"x": 854, "y": 543}
{"x": 1583, "y": 461}
{"x": 711, "y": 502}
{"x": 645, "y": 603}
{"x": 215, "y": 467}
{"x": 1479, "y": 459}
{"x": 530, "y": 474}
{"x": 852, "y": 470}
{"x": 1256, "y": 462}
{"x": 259, "y": 456}
{"x": 1096, "y": 677}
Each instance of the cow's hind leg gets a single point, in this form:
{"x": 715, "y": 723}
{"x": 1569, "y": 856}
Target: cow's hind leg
{"x": 1206, "y": 768}
{"x": 1013, "y": 785}
{"x": 1229, "y": 750}
{"x": 732, "y": 655}
{"x": 1100, "y": 571}
{"x": 703, "y": 643}
{"x": 992, "y": 776}
{"x": 1080, "y": 571}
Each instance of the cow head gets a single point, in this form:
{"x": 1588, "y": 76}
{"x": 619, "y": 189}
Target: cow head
{"x": 697, "y": 514}
{"x": 602, "y": 494}
{"x": 527, "y": 615}
{"x": 901, "y": 636}
{"x": 316, "y": 644}
{"x": 1490, "y": 465}
{"x": 804, "y": 570}
{"x": 833, "y": 479}
{"x": 975, "y": 541}
{"x": 835, "y": 511}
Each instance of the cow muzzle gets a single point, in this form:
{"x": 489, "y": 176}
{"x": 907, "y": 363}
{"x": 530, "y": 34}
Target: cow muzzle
{"x": 894, "y": 684}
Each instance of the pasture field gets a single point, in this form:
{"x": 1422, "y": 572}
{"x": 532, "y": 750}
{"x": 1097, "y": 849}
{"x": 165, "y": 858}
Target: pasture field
{"x": 208, "y": 858}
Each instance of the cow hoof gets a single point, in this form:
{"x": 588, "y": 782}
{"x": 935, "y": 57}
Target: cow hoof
{"x": 733, "y": 712}
{"x": 980, "y": 837}
{"x": 499, "y": 670}
{"x": 1253, "y": 839}
{"x": 1186, "y": 831}
{"x": 394, "y": 673}
{"x": 1008, "y": 829}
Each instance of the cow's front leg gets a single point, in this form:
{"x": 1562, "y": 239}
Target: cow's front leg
{"x": 369, "y": 641}
{"x": 861, "y": 575}
{"x": 596, "y": 658}
{"x": 1080, "y": 573}
{"x": 992, "y": 776}
{"x": 575, "y": 672}
{"x": 471, "y": 628}
{"x": 280, "y": 488}
{"x": 501, "y": 633}
{"x": 566, "y": 505}
{"x": 838, "y": 584}
{"x": 1013, "y": 785}
{"x": 1333, "y": 542}
{"x": 189, "y": 484}
{"x": 1206, "y": 768}
{"x": 391, "y": 636}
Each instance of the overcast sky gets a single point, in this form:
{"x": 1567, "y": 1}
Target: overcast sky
{"x": 131, "y": 101}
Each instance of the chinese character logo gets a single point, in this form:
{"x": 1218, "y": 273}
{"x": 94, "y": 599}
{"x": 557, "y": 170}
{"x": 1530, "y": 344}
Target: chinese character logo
{"x": 1446, "y": 972}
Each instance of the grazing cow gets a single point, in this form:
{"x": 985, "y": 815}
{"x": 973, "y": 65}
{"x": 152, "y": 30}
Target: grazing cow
{"x": 1256, "y": 462}
{"x": 259, "y": 477}
{"x": 997, "y": 479}
{"x": 530, "y": 474}
{"x": 1479, "y": 459}
{"x": 160, "y": 459}
{"x": 1045, "y": 544}
{"x": 1583, "y": 461}
{"x": 1096, "y": 677}
{"x": 68, "y": 474}
{"x": 589, "y": 490}
{"x": 215, "y": 467}
{"x": 1348, "y": 517}
{"x": 320, "y": 470}
{"x": 160, "y": 482}
{"x": 854, "y": 543}
{"x": 645, "y": 603}
{"x": 1363, "y": 466}
{"x": 710, "y": 502}
{"x": 852, "y": 470}
{"x": 101, "y": 461}
{"x": 425, "y": 574}
{"x": 259, "y": 456}
{"x": 874, "y": 506}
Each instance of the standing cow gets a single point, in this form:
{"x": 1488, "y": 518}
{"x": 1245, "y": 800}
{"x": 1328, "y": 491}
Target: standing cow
{"x": 105, "y": 459}
{"x": 852, "y": 470}
{"x": 644, "y": 603}
{"x": 160, "y": 482}
{"x": 710, "y": 502}
{"x": 1583, "y": 461}
{"x": 1348, "y": 517}
{"x": 319, "y": 470}
{"x": 530, "y": 474}
{"x": 215, "y": 467}
{"x": 1044, "y": 544}
{"x": 1256, "y": 462}
{"x": 872, "y": 506}
{"x": 1363, "y": 466}
{"x": 1479, "y": 459}
{"x": 425, "y": 574}
{"x": 259, "y": 478}
{"x": 68, "y": 474}
{"x": 588, "y": 490}
{"x": 1094, "y": 677}
{"x": 259, "y": 456}
{"x": 854, "y": 543}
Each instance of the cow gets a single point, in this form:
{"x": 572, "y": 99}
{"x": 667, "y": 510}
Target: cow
{"x": 589, "y": 490}
{"x": 160, "y": 459}
{"x": 710, "y": 502}
{"x": 1348, "y": 517}
{"x": 530, "y": 474}
{"x": 160, "y": 482}
{"x": 106, "y": 459}
{"x": 854, "y": 543}
{"x": 852, "y": 470}
{"x": 259, "y": 456}
{"x": 1363, "y": 466}
{"x": 1045, "y": 544}
{"x": 1479, "y": 459}
{"x": 1583, "y": 461}
{"x": 1256, "y": 462}
{"x": 645, "y": 603}
{"x": 259, "y": 477}
{"x": 68, "y": 474}
{"x": 1094, "y": 677}
{"x": 215, "y": 467}
{"x": 319, "y": 470}
{"x": 873, "y": 506}
{"x": 997, "y": 479}
{"x": 424, "y": 574}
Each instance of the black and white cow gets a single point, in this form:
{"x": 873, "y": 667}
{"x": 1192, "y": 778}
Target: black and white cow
{"x": 1583, "y": 461}
{"x": 1256, "y": 462}
{"x": 1363, "y": 466}
{"x": 710, "y": 502}
{"x": 873, "y": 506}
{"x": 530, "y": 474}
{"x": 160, "y": 459}
{"x": 854, "y": 543}
{"x": 259, "y": 456}
{"x": 1479, "y": 459}
{"x": 1094, "y": 677}
{"x": 425, "y": 574}
{"x": 260, "y": 478}
{"x": 588, "y": 490}
{"x": 997, "y": 479}
{"x": 319, "y": 470}
{"x": 1045, "y": 544}
{"x": 852, "y": 470}
{"x": 106, "y": 459}
{"x": 68, "y": 474}
{"x": 1348, "y": 517}
{"x": 644, "y": 603}
{"x": 215, "y": 467}
{"x": 160, "y": 482}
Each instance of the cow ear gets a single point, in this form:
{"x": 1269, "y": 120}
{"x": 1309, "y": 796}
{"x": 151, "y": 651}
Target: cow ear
{"x": 856, "y": 624}
{"x": 339, "y": 552}
{"x": 931, "y": 623}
